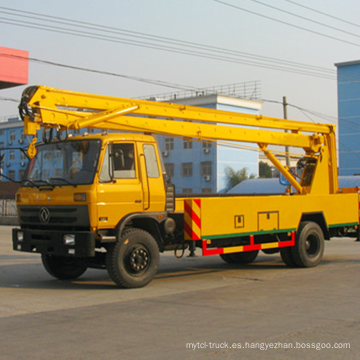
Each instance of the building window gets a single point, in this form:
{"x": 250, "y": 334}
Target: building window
{"x": 170, "y": 169}
{"x": 12, "y": 155}
{"x": 169, "y": 144}
{"x": 22, "y": 136}
{"x": 1, "y": 145}
{"x": 76, "y": 131}
{"x": 11, "y": 174}
{"x": 206, "y": 145}
{"x": 12, "y": 136}
{"x": 1, "y": 132}
{"x": 90, "y": 130}
{"x": 186, "y": 169}
{"x": 21, "y": 174}
{"x": 23, "y": 156}
{"x": 187, "y": 191}
{"x": 187, "y": 144}
{"x": 206, "y": 168}
{"x": 206, "y": 191}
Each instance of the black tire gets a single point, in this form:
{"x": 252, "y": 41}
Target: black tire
{"x": 226, "y": 258}
{"x": 246, "y": 257}
{"x": 309, "y": 245}
{"x": 287, "y": 257}
{"x": 63, "y": 268}
{"x": 132, "y": 262}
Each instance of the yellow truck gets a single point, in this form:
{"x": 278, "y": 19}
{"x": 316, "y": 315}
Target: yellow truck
{"x": 103, "y": 200}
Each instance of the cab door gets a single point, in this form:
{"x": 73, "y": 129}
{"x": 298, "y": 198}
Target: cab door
{"x": 153, "y": 181}
{"x": 120, "y": 190}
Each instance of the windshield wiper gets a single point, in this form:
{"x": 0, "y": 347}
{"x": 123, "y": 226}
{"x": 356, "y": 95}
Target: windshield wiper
{"x": 34, "y": 183}
{"x": 44, "y": 182}
{"x": 64, "y": 180}
{"x": 29, "y": 181}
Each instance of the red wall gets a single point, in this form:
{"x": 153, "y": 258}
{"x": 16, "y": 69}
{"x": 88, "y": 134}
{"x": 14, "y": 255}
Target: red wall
{"x": 14, "y": 67}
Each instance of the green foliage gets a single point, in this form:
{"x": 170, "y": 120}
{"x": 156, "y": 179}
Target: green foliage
{"x": 265, "y": 170}
{"x": 234, "y": 177}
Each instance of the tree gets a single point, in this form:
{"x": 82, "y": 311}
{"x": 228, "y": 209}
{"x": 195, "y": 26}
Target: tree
{"x": 265, "y": 170}
{"x": 234, "y": 177}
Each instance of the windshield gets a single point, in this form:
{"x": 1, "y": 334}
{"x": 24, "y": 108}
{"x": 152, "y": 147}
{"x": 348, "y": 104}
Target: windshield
{"x": 63, "y": 163}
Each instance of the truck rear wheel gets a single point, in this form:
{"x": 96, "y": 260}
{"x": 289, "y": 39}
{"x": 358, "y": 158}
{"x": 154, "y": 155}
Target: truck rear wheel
{"x": 246, "y": 257}
{"x": 309, "y": 245}
{"x": 63, "y": 268}
{"x": 132, "y": 262}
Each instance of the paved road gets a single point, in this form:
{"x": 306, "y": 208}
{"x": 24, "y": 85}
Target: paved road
{"x": 202, "y": 301}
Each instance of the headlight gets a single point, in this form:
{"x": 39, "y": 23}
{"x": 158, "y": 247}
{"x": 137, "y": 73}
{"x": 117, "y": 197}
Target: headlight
{"x": 20, "y": 236}
{"x": 69, "y": 239}
{"x": 80, "y": 197}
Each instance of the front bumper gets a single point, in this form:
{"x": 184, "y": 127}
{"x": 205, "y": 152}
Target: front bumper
{"x": 59, "y": 243}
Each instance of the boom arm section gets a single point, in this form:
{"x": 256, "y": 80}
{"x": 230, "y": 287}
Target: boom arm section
{"x": 64, "y": 110}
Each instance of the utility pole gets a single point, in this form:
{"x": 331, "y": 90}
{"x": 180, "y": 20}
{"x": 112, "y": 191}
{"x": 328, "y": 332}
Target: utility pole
{"x": 285, "y": 117}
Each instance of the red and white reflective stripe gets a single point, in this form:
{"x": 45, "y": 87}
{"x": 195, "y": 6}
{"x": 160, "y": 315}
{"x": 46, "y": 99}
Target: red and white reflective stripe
{"x": 192, "y": 219}
{"x": 250, "y": 247}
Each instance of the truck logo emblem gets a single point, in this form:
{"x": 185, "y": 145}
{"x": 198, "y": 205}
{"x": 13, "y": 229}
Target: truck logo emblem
{"x": 44, "y": 215}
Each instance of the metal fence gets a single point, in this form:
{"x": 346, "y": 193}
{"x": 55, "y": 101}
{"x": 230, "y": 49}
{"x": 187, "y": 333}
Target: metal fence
{"x": 245, "y": 90}
{"x": 8, "y": 208}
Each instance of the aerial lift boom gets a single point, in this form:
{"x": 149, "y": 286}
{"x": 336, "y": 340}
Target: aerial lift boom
{"x": 66, "y": 110}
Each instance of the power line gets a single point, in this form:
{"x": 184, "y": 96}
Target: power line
{"x": 306, "y": 19}
{"x": 326, "y": 117}
{"x": 149, "y": 81}
{"x": 157, "y": 42}
{"x": 8, "y": 99}
{"x": 214, "y": 56}
{"x": 330, "y": 118}
{"x": 173, "y": 41}
{"x": 323, "y": 13}
{"x": 285, "y": 23}
{"x": 103, "y": 28}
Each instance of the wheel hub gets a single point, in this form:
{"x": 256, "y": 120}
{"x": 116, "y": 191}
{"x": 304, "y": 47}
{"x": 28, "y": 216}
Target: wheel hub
{"x": 139, "y": 259}
{"x": 312, "y": 245}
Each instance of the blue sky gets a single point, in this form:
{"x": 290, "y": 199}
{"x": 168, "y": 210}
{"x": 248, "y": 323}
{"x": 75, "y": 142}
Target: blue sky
{"x": 205, "y": 22}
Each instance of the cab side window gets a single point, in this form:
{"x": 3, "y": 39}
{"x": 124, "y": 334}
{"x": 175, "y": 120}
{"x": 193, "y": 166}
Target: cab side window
{"x": 152, "y": 166}
{"x": 105, "y": 169}
{"x": 119, "y": 162}
{"x": 123, "y": 161}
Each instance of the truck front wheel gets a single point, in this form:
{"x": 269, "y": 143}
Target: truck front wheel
{"x": 63, "y": 268}
{"x": 309, "y": 245}
{"x": 132, "y": 262}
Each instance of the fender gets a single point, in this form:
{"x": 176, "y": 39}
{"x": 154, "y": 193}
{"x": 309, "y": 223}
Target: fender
{"x": 157, "y": 216}
{"x": 145, "y": 221}
{"x": 319, "y": 218}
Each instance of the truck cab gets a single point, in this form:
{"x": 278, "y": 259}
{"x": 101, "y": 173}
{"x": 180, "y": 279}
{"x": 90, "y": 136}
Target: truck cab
{"x": 78, "y": 196}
